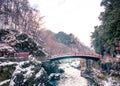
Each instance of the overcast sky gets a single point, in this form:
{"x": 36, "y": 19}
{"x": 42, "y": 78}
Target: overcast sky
{"x": 71, "y": 16}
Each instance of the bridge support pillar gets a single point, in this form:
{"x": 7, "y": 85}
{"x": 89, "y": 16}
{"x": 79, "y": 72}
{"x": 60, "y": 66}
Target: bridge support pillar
{"x": 88, "y": 66}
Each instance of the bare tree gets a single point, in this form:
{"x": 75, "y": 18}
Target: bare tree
{"x": 18, "y": 14}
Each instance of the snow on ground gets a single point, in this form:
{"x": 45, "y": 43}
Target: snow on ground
{"x": 71, "y": 77}
{"x": 4, "y": 82}
{"x": 29, "y": 73}
{"x": 28, "y": 69}
{"x": 6, "y": 46}
{"x": 111, "y": 82}
{"x": 7, "y": 63}
{"x": 39, "y": 73}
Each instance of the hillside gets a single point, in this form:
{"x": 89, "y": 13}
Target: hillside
{"x": 21, "y": 31}
{"x": 13, "y": 41}
{"x": 25, "y": 45}
{"x": 53, "y": 43}
{"x": 21, "y": 20}
{"x": 62, "y": 43}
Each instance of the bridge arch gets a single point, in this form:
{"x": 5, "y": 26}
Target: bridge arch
{"x": 87, "y": 57}
{"x": 69, "y": 57}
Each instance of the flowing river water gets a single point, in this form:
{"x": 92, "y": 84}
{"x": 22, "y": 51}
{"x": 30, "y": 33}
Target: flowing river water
{"x": 71, "y": 75}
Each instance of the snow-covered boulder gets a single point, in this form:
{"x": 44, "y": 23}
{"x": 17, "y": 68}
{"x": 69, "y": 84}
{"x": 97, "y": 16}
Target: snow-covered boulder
{"x": 54, "y": 76}
{"x": 6, "y": 71}
{"x": 12, "y": 41}
{"x": 29, "y": 73}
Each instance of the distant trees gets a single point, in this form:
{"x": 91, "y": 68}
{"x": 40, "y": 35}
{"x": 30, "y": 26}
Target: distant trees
{"x": 64, "y": 38}
{"x": 17, "y": 14}
{"x": 109, "y": 31}
{"x": 51, "y": 45}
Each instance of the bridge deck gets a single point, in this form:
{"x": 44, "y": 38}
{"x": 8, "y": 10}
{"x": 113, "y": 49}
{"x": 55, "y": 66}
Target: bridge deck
{"x": 68, "y": 57}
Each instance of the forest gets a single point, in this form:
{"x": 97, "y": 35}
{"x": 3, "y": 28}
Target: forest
{"x": 107, "y": 34}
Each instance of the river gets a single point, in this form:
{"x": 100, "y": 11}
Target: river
{"x": 71, "y": 75}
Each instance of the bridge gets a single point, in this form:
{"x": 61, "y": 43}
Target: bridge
{"x": 94, "y": 57}
{"x": 88, "y": 57}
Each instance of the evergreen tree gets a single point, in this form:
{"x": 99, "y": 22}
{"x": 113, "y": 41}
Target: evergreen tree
{"x": 109, "y": 31}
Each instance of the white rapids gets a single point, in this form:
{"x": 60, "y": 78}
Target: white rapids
{"x": 71, "y": 77}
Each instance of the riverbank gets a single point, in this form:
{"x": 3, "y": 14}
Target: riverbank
{"x": 105, "y": 78}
